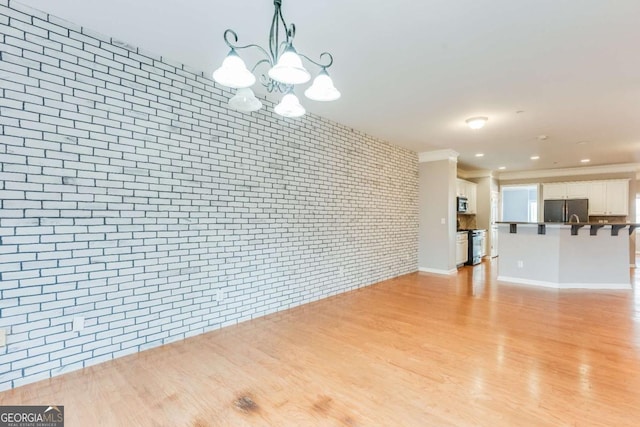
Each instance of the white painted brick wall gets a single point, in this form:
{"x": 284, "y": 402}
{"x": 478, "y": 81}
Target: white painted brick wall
{"x": 130, "y": 195}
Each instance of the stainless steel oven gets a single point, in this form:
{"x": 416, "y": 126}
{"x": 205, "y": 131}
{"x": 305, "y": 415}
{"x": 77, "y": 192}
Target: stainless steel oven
{"x": 477, "y": 240}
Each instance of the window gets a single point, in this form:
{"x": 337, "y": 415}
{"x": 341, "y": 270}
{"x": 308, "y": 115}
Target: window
{"x": 520, "y": 203}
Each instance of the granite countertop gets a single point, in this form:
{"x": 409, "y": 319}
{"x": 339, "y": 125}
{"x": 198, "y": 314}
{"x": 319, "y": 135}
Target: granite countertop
{"x": 635, "y": 224}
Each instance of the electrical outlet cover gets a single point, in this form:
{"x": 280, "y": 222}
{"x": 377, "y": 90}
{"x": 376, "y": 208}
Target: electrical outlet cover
{"x": 78, "y": 324}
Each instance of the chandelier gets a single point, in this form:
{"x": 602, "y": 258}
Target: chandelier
{"x": 285, "y": 71}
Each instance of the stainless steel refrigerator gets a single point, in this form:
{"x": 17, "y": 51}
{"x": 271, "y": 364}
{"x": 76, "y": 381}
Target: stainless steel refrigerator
{"x": 564, "y": 210}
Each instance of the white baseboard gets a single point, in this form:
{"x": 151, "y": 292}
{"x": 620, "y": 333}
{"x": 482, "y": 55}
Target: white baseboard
{"x": 605, "y": 286}
{"x": 437, "y": 271}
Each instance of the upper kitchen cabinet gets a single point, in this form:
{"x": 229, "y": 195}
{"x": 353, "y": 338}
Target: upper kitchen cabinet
{"x": 469, "y": 190}
{"x": 565, "y": 190}
{"x": 461, "y": 188}
{"x": 609, "y": 197}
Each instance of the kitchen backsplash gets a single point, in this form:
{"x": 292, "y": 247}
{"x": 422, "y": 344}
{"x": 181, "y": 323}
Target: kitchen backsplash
{"x": 466, "y": 221}
{"x": 607, "y": 219}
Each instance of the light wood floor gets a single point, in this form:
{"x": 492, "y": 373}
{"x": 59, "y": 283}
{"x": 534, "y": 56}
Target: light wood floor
{"x": 420, "y": 350}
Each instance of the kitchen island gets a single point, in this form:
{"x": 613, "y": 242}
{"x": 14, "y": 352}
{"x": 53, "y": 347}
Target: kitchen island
{"x": 565, "y": 255}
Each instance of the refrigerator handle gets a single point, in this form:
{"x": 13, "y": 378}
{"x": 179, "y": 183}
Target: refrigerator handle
{"x": 565, "y": 212}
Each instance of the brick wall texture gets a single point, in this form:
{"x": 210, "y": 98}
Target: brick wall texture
{"x": 132, "y": 197}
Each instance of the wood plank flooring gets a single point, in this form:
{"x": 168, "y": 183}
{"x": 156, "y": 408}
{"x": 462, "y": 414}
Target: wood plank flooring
{"x": 419, "y": 350}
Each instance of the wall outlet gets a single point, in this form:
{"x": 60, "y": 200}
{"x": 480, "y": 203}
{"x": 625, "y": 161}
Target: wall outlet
{"x": 3, "y": 337}
{"x": 443, "y": 221}
{"x": 220, "y": 295}
{"x": 520, "y": 264}
{"x": 78, "y": 324}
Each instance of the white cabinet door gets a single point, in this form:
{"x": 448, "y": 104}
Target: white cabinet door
{"x": 461, "y": 248}
{"x": 461, "y": 188}
{"x": 467, "y": 189}
{"x": 609, "y": 198}
{"x": 618, "y": 197}
{"x": 494, "y": 242}
{"x": 597, "y": 198}
{"x": 577, "y": 190}
{"x": 554, "y": 190}
{"x": 472, "y": 190}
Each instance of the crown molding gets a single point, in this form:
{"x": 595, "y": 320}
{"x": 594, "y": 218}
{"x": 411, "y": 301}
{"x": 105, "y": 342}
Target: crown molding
{"x": 586, "y": 170}
{"x": 436, "y": 155}
{"x": 475, "y": 174}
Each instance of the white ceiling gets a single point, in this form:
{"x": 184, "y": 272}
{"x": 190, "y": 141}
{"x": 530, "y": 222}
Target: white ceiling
{"x": 411, "y": 71}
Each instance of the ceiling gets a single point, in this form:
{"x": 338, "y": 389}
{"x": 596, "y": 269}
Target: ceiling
{"x": 411, "y": 72}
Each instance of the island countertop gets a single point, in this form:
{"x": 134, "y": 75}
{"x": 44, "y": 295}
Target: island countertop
{"x": 633, "y": 224}
{"x": 615, "y": 227}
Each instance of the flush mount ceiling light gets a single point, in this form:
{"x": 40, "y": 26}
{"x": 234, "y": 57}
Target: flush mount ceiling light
{"x": 534, "y": 157}
{"x": 285, "y": 71}
{"x": 585, "y": 160}
{"x": 476, "y": 122}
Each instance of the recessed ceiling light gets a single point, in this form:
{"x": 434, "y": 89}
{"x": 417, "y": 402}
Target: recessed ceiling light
{"x": 502, "y": 168}
{"x": 479, "y": 154}
{"x": 519, "y": 111}
{"x": 581, "y": 142}
{"x": 534, "y": 157}
{"x": 585, "y": 160}
{"x": 543, "y": 137}
{"x": 476, "y": 122}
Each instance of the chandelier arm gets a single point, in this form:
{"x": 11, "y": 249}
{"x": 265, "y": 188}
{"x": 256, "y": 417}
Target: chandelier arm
{"x": 274, "y": 36}
{"x": 289, "y": 31}
{"x": 267, "y": 61}
{"x": 319, "y": 64}
{"x": 285, "y": 88}
{"x": 269, "y": 83}
{"x": 232, "y": 45}
{"x": 275, "y": 45}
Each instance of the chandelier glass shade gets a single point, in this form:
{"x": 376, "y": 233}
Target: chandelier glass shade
{"x": 245, "y": 101}
{"x": 289, "y": 106}
{"x": 322, "y": 88}
{"x": 233, "y": 72}
{"x": 285, "y": 70}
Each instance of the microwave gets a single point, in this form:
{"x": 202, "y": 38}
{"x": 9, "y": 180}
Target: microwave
{"x": 462, "y": 205}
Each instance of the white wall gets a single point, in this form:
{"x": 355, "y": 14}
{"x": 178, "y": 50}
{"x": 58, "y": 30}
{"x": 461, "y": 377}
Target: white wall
{"x": 436, "y": 200}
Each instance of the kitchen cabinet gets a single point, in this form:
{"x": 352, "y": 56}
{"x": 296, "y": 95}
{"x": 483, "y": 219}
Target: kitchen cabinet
{"x": 494, "y": 241}
{"x": 565, "y": 190}
{"x": 462, "y": 247}
{"x": 461, "y": 188}
{"x": 609, "y": 198}
{"x": 554, "y": 190}
{"x": 577, "y": 190}
{"x": 469, "y": 190}
{"x": 483, "y": 252}
{"x": 598, "y": 198}
{"x": 472, "y": 191}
